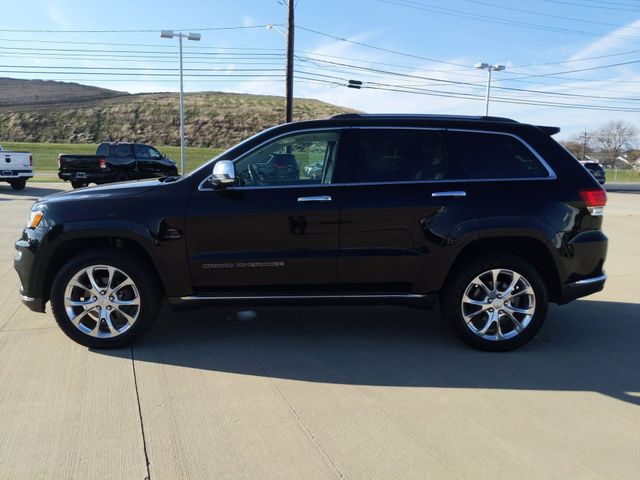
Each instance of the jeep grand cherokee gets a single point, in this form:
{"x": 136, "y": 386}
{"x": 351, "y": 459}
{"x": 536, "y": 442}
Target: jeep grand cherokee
{"x": 490, "y": 217}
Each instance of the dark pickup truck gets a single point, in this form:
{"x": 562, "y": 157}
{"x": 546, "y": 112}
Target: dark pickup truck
{"x": 115, "y": 162}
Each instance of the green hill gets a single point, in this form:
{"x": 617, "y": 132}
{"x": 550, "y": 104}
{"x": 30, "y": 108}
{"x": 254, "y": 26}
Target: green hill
{"x": 61, "y": 112}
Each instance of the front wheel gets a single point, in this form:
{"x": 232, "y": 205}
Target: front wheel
{"x": 496, "y": 301}
{"x": 104, "y": 298}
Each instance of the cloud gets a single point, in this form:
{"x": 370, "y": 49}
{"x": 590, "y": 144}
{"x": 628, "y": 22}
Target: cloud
{"x": 56, "y": 15}
{"x": 610, "y": 42}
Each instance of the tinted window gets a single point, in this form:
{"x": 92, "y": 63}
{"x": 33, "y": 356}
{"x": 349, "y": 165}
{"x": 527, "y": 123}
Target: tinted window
{"x": 388, "y": 155}
{"x": 141, "y": 151}
{"x": 120, "y": 150}
{"x": 488, "y": 155}
{"x": 298, "y": 159}
{"x": 103, "y": 149}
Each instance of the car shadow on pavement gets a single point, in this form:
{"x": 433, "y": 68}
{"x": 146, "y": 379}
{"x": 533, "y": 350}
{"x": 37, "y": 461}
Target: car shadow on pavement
{"x": 29, "y": 191}
{"x": 584, "y": 346}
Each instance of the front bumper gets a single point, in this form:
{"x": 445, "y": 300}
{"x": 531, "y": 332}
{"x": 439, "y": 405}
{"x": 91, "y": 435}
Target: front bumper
{"x": 33, "y": 304}
{"x": 23, "y": 263}
{"x": 581, "y": 288}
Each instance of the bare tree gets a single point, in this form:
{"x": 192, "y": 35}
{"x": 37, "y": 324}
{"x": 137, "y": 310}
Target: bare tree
{"x": 615, "y": 138}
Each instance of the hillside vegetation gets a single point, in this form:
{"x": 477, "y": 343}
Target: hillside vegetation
{"x": 212, "y": 119}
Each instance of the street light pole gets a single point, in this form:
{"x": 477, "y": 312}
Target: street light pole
{"x": 190, "y": 36}
{"x": 490, "y": 68}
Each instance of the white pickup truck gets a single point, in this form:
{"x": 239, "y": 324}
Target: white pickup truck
{"x": 15, "y": 168}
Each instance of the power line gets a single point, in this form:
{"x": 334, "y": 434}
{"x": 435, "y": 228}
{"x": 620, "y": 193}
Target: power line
{"x": 494, "y": 20}
{"x": 603, "y": 7}
{"x": 575, "y": 60}
{"x": 548, "y": 15}
{"x": 600, "y": 67}
{"x": 155, "y": 45}
{"x": 154, "y": 30}
{"x": 396, "y": 52}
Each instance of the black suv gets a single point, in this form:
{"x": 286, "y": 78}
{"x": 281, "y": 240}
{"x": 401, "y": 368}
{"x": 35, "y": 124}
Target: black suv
{"x": 596, "y": 170}
{"x": 488, "y": 216}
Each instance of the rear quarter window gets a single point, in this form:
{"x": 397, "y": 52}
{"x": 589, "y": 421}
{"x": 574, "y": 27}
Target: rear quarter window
{"x": 496, "y": 156}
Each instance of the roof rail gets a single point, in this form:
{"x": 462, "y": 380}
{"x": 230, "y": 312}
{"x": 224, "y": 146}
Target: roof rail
{"x": 346, "y": 116}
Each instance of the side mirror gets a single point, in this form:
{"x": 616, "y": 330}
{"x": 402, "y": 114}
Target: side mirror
{"x": 224, "y": 174}
{"x": 163, "y": 155}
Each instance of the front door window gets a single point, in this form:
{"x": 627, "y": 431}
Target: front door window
{"x": 299, "y": 159}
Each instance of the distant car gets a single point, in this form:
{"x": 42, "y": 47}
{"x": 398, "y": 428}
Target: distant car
{"x": 596, "y": 170}
{"x": 15, "y": 168}
{"x": 115, "y": 162}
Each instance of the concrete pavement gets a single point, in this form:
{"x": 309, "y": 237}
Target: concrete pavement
{"x": 332, "y": 392}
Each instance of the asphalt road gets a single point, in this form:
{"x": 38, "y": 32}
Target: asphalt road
{"x": 323, "y": 393}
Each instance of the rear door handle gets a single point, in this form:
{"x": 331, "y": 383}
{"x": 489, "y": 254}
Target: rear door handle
{"x": 317, "y": 198}
{"x": 452, "y": 193}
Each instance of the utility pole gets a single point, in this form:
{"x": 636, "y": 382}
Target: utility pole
{"x": 584, "y": 143}
{"x": 289, "y": 79}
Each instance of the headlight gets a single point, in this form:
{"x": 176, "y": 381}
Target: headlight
{"x": 35, "y": 218}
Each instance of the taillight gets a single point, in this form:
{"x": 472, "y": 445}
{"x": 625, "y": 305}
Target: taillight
{"x": 30, "y": 161}
{"x": 102, "y": 162}
{"x": 595, "y": 199}
{"x": 60, "y": 162}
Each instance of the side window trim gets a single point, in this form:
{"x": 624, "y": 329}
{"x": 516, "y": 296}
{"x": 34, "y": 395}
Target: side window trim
{"x": 202, "y": 186}
{"x": 551, "y": 174}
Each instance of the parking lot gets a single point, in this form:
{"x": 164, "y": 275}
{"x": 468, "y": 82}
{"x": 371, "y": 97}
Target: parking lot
{"x": 331, "y": 392}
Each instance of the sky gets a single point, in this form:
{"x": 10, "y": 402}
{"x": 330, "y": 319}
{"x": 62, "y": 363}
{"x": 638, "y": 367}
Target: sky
{"x": 569, "y": 63}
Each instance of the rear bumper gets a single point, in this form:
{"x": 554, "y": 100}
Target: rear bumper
{"x": 90, "y": 177}
{"x": 15, "y": 175}
{"x": 582, "y": 288}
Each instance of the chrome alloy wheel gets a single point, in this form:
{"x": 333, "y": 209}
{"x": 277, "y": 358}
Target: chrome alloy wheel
{"x": 102, "y": 301}
{"x": 498, "y": 304}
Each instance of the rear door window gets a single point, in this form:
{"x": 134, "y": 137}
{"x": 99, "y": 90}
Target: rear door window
{"x": 141, "y": 151}
{"x": 121, "y": 150}
{"x": 496, "y": 156}
{"x": 398, "y": 155}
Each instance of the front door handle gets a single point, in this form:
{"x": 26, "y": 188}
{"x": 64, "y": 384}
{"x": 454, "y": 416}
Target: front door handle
{"x": 452, "y": 193}
{"x": 317, "y": 198}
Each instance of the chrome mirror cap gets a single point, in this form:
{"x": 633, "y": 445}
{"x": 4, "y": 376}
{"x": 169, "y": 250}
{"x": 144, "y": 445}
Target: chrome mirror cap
{"x": 224, "y": 174}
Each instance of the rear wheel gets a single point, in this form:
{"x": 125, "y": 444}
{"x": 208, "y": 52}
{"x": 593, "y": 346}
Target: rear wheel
{"x": 496, "y": 302}
{"x": 76, "y": 184}
{"x": 18, "y": 184}
{"x": 104, "y": 298}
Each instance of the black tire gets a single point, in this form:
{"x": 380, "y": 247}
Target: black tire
{"x": 145, "y": 282}
{"x": 76, "y": 184}
{"x": 18, "y": 184}
{"x": 463, "y": 278}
